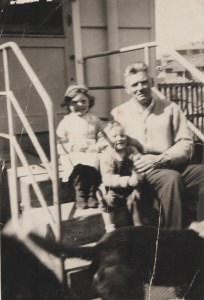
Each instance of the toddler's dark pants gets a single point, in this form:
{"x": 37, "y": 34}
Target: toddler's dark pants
{"x": 122, "y": 208}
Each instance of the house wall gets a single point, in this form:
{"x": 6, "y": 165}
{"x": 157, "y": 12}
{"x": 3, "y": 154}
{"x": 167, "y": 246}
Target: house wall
{"x": 50, "y": 54}
{"x": 89, "y": 27}
{"x": 110, "y": 25}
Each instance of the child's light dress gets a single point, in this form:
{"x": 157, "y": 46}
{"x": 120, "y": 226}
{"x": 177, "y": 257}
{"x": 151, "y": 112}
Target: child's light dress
{"x": 76, "y": 132}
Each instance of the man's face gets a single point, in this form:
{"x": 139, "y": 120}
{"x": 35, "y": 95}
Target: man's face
{"x": 117, "y": 138}
{"x": 79, "y": 104}
{"x": 138, "y": 85}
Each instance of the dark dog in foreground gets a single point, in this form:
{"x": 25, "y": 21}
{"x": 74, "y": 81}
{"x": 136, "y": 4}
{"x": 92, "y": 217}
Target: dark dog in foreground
{"x": 24, "y": 277}
{"x": 125, "y": 259}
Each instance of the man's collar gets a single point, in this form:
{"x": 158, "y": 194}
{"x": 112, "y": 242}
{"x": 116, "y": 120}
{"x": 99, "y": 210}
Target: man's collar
{"x": 138, "y": 107}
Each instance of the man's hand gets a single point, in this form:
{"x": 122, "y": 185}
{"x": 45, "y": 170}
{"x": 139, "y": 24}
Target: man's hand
{"x": 145, "y": 163}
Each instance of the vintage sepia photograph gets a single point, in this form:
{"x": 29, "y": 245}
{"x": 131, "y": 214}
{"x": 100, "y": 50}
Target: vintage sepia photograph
{"x": 102, "y": 149}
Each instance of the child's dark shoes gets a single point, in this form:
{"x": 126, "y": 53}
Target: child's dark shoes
{"x": 81, "y": 203}
{"x": 92, "y": 202}
{"x": 81, "y": 206}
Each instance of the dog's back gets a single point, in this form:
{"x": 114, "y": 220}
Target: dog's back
{"x": 126, "y": 258}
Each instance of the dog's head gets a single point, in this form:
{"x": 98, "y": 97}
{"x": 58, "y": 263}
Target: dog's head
{"x": 114, "y": 282}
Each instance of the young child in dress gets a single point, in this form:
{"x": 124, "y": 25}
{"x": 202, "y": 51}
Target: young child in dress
{"x": 78, "y": 145}
{"x": 120, "y": 182}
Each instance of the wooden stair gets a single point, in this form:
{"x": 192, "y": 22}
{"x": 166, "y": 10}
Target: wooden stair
{"x": 84, "y": 228}
{"x": 79, "y": 227}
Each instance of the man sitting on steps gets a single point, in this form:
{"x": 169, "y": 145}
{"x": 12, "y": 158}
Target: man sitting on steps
{"x": 160, "y": 127}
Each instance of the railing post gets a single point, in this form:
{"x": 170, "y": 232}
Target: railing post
{"x": 55, "y": 183}
{"x": 146, "y": 55}
{"x": 77, "y": 41}
{"x": 113, "y": 43}
{"x": 13, "y": 182}
{"x": 49, "y": 108}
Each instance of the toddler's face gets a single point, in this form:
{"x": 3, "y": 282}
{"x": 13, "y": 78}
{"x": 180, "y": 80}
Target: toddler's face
{"x": 117, "y": 138}
{"x": 79, "y": 104}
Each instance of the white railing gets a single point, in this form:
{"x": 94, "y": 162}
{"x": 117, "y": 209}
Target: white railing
{"x": 146, "y": 47}
{"x": 50, "y": 166}
{"x": 191, "y": 126}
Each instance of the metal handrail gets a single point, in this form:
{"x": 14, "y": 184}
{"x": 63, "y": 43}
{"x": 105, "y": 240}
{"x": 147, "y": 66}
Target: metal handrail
{"x": 121, "y": 50}
{"x": 52, "y": 167}
{"x": 31, "y": 176}
{"x": 29, "y": 130}
{"x": 187, "y": 65}
{"x": 144, "y": 46}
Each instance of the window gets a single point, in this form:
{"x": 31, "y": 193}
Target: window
{"x": 32, "y": 17}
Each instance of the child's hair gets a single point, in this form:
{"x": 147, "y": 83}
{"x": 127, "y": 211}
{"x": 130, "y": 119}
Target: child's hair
{"x": 109, "y": 126}
{"x": 112, "y": 124}
{"x": 72, "y": 92}
{"x": 135, "y": 68}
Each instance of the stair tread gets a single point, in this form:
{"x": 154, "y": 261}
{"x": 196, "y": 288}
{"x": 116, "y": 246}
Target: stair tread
{"x": 36, "y": 170}
{"x": 66, "y": 209}
{"x": 78, "y": 226}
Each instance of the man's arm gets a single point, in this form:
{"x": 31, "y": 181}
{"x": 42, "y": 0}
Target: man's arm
{"x": 182, "y": 149}
{"x": 179, "y": 152}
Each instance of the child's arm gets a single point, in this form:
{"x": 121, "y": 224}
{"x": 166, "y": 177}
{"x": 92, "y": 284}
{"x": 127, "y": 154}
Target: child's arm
{"x": 134, "y": 179}
{"x": 101, "y": 142}
{"x": 65, "y": 145}
{"x": 62, "y": 147}
{"x": 112, "y": 180}
{"x": 63, "y": 141}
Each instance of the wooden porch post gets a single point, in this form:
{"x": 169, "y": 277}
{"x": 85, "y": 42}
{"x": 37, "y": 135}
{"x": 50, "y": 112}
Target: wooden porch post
{"x": 77, "y": 42}
{"x": 113, "y": 44}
